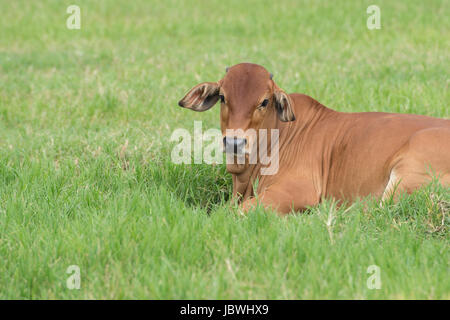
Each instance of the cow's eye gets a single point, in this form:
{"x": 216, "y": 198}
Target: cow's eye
{"x": 264, "y": 103}
{"x": 222, "y": 98}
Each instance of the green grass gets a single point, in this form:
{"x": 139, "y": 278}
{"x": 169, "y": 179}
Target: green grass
{"x": 85, "y": 171}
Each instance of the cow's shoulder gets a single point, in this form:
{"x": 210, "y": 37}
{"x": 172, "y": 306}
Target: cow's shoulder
{"x": 300, "y": 98}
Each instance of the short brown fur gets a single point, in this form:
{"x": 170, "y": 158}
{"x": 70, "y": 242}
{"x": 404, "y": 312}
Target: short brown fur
{"x": 323, "y": 153}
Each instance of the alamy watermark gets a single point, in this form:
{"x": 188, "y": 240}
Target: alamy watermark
{"x": 74, "y": 280}
{"x": 374, "y": 281}
{"x": 258, "y": 146}
{"x": 374, "y": 19}
{"x": 74, "y": 20}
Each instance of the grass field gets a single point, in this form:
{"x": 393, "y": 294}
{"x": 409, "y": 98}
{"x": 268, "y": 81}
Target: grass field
{"x": 85, "y": 172}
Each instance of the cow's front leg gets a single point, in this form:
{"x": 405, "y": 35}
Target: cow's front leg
{"x": 285, "y": 198}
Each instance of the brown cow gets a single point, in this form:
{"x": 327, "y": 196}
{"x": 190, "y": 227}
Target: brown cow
{"x": 322, "y": 153}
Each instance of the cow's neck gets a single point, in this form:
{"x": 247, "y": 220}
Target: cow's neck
{"x": 243, "y": 182}
{"x": 292, "y": 135}
{"x": 306, "y": 144}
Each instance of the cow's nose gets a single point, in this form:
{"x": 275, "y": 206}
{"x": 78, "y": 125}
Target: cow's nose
{"x": 234, "y": 145}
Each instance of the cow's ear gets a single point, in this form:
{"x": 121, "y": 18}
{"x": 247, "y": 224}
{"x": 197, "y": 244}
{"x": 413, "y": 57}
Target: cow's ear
{"x": 283, "y": 104}
{"x": 201, "y": 97}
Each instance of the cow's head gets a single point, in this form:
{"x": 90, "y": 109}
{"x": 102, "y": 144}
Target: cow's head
{"x": 249, "y": 100}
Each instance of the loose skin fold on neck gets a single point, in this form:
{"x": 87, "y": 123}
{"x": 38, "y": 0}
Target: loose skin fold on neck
{"x": 294, "y": 137}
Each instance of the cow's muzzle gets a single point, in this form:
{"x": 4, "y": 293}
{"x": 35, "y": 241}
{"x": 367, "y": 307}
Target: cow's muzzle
{"x": 234, "y": 145}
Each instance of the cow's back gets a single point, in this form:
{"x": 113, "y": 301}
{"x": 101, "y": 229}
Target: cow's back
{"x": 366, "y": 148}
